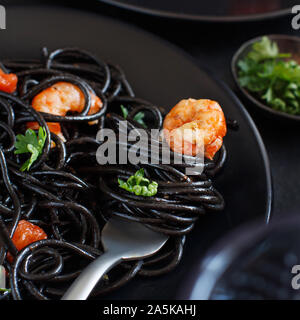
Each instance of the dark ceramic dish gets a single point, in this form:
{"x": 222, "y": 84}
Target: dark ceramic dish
{"x": 163, "y": 74}
{"x": 253, "y": 262}
{"x": 289, "y": 44}
{"x": 209, "y": 11}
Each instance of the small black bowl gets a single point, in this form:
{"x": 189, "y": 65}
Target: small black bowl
{"x": 254, "y": 262}
{"x": 288, "y": 44}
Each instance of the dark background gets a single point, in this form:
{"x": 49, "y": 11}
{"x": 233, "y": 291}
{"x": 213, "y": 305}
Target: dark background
{"x": 213, "y": 45}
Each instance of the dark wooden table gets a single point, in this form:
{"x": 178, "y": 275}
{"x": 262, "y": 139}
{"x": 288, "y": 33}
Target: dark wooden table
{"x": 213, "y": 45}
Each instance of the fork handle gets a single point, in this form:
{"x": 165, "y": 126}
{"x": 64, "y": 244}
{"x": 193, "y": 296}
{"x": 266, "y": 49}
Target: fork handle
{"x": 89, "y": 277}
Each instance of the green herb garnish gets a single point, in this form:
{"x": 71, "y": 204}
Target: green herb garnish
{"x": 3, "y": 290}
{"x": 124, "y": 111}
{"x": 139, "y": 185}
{"x": 139, "y": 117}
{"x": 265, "y": 49}
{"x": 272, "y": 78}
{"x": 30, "y": 143}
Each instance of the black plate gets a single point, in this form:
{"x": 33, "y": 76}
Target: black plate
{"x": 210, "y": 11}
{"x": 163, "y": 74}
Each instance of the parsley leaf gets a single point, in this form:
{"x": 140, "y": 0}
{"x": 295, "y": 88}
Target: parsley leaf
{"x": 124, "y": 111}
{"x": 139, "y": 117}
{"x": 265, "y": 49}
{"x": 139, "y": 185}
{"x": 30, "y": 143}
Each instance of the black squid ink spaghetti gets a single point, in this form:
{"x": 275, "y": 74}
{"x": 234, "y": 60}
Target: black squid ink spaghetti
{"x": 63, "y": 194}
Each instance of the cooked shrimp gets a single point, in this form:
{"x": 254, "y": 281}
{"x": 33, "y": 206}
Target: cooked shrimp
{"x": 59, "y": 99}
{"x": 8, "y": 82}
{"x": 195, "y": 125}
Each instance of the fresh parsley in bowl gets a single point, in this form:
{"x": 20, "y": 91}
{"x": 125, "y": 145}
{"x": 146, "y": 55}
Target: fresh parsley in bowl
{"x": 267, "y": 71}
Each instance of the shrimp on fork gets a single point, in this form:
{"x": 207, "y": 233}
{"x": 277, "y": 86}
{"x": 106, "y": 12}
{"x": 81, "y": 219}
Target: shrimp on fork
{"x": 193, "y": 126}
{"x": 59, "y": 99}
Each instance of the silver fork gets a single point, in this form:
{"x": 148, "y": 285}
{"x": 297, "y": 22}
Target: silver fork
{"x": 122, "y": 240}
{"x": 2, "y": 277}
